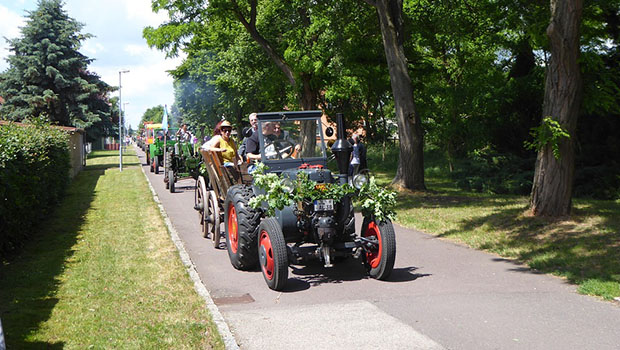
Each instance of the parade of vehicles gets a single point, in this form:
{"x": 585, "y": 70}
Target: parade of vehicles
{"x": 293, "y": 209}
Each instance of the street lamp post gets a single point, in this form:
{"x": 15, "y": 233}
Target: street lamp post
{"x": 124, "y": 110}
{"x": 120, "y": 121}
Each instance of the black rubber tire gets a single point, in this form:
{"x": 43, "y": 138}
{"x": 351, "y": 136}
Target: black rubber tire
{"x": 156, "y": 164}
{"x": 148, "y": 158}
{"x": 381, "y": 263}
{"x": 241, "y": 228}
{"x": 171, "y": 181}
{"x": 272, "y": 252}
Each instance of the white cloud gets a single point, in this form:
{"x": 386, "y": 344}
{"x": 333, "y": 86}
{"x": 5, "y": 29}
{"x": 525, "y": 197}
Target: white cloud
{"x": 137, "y": 50}
{"x": 91, "y": 48}
{"x": 140, "y": 10}
{"x": 9, "y": 27}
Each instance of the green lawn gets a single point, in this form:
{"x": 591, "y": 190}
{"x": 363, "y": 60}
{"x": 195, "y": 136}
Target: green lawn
{"x": 584, "y": 249}
{"x": 103, "y": 273}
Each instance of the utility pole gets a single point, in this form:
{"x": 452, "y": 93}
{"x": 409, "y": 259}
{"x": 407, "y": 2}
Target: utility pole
{"x": 120, "y": 122}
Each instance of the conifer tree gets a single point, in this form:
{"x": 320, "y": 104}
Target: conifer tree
{"x": 48, "y": 76}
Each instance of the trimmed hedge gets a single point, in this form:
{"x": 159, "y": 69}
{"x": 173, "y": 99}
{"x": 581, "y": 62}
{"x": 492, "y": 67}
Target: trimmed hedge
{"x": 34, "y": 173}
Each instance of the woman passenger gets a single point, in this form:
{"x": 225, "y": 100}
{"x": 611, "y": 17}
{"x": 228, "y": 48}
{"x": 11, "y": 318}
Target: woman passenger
{"x": 222, "y": 142}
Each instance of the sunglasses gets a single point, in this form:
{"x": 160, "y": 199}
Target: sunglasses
{"x": 226, "y": 130}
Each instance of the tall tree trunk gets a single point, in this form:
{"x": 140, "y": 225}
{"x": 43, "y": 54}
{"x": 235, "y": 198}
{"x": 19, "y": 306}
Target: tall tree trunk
{"x": 553, "y": 178}
{"x": 410, "y": 171}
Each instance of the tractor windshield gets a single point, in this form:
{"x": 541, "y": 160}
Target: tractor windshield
{"x": 291, "y": 139}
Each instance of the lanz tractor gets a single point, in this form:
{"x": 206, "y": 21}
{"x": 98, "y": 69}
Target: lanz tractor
{"x": 309, "y": 229}
{"x": 182, "y": 161}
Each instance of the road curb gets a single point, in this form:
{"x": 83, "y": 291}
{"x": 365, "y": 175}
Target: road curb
{"x": 229, "y": 341}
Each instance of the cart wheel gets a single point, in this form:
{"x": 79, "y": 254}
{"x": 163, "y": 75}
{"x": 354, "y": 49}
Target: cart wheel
{"x": 171, "y": 181}
{"x": 272, "y": 254}
{"x": 156, "y": 164}
{"x": 212, "y": 217}
{"x": 200, "y": 203}
{"x": 379, "y": 260}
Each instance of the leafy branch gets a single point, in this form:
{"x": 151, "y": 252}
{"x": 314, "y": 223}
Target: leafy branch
{"x": 377, "y": 202}
{"x": 550, "y": 133}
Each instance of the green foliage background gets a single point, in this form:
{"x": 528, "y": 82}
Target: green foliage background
{"x": 478, "y": 69}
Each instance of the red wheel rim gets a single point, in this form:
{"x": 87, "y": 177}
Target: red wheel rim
{"x": 233, "y": 236}
{"x": 373, "y": 257}
{"x": 265, "y": 247}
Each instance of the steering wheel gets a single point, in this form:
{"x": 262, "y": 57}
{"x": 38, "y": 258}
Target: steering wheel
{"x": 279, "y": 149}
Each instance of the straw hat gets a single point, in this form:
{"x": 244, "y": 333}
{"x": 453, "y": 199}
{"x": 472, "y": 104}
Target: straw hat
{"x": 225, "y": 123}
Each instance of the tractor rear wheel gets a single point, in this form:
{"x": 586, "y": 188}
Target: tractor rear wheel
{"x": 272, "y": 254}
{"x": 379, "y": 260}
{"x": 241, "y": 222}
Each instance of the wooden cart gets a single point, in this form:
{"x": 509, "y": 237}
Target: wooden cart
{"x": 210, "y": 192}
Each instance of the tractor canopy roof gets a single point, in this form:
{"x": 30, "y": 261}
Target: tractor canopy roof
{"x": 153, "y": 126}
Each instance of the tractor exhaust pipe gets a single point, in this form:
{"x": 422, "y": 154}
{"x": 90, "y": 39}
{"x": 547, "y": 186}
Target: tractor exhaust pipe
{"x": 342, "y": 150}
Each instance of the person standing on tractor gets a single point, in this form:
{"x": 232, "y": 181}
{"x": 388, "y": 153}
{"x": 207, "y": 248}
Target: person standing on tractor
{"x": 222, "y": 142}
{"x": 183, "y": 135}
{"x": 254, "y": 127}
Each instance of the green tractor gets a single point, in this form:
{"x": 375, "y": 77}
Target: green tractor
{"x": 161, "y": 142}
{"x": 182, "y": 162}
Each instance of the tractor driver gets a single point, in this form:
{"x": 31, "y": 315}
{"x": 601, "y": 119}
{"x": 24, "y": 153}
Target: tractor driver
{"x": 253, "y": 145}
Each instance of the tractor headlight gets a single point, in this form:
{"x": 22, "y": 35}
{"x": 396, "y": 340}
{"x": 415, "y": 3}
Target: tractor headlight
{"x": 287, "y": 185}
{"x": 359, "y": 180}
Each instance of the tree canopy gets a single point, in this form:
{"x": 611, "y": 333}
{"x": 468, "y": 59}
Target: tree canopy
{"x": 477, "y": 69}
{"x": 48, "y": 77}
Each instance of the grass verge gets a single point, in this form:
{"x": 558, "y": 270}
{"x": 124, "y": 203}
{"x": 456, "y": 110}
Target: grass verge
{"x": 584, "y": 249}
{"x": 103, "y": 273}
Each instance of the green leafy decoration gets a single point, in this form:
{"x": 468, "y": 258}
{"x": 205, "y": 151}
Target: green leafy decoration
{"x": 550, "y": 133}
{"x": 376, "y": 201}
{"x": 279, "y": 195}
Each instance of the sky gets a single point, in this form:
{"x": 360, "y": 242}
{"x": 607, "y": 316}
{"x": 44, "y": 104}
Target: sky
{"x": 117, "y": 45}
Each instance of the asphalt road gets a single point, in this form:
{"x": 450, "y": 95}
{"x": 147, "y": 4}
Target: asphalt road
{"x": 440, "y": 296}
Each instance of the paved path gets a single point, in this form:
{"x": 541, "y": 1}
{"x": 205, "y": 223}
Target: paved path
{"x": 440, "y": 296}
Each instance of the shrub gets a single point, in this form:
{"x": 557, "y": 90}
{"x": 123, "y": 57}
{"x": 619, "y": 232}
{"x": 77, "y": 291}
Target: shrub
{"x": 492, "y": 172}
{"x": 34, "y": 173}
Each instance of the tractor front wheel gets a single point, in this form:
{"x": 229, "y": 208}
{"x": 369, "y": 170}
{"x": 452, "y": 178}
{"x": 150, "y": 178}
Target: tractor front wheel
{"x": 156, "y": 164}
{"x": 272, "y": 254}
{"x": 171, "y": 180}
{"x": 379, "y": 259}
{"x": 241, "y": 222}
